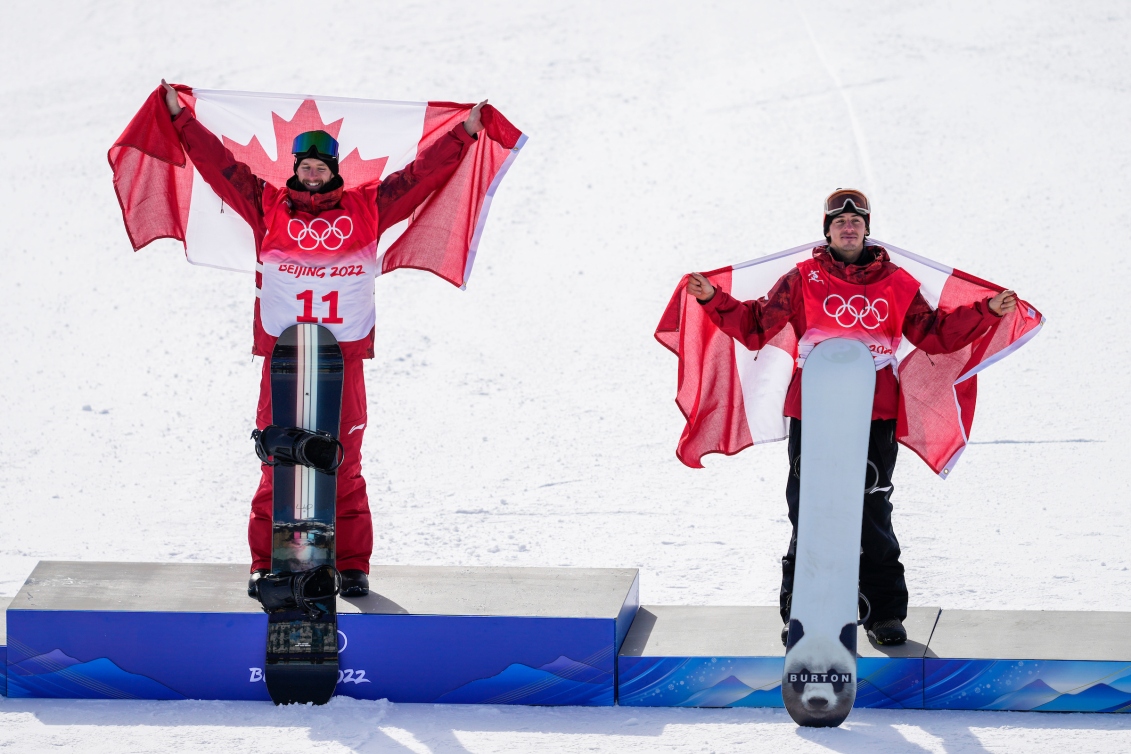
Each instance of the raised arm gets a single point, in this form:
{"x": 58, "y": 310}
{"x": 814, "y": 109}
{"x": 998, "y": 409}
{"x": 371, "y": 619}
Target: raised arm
{"x": 403, "y": 191}
{"x": 938, "y": 332}
{"x": 751, "y": 323}
{"x": 232, "y": 180}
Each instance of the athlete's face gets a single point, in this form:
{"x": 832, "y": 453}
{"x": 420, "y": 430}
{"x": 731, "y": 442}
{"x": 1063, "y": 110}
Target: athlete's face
{"x": 313, "y": 174}
{"x": 846, "y": 233}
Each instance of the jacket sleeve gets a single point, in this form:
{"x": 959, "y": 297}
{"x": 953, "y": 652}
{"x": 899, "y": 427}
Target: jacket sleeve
{"x": 754, "y": 323}
{"x": 403, "y": 191}
{"x": 938, "y": 332}
{"x": 232, "y": 180}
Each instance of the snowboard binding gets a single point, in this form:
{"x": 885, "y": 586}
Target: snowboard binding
{"x": 302, "y": 590}
{"x": 865, "y": 607}
{"x": 287, "y": 446}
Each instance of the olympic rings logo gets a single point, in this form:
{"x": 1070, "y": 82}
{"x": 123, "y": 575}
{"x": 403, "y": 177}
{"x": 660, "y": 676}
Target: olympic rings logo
{"x": 858, "y": 309}
{"x": 320, "y": 231}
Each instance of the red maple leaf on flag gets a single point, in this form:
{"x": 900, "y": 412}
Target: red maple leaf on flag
{"x": 354, "y": 170}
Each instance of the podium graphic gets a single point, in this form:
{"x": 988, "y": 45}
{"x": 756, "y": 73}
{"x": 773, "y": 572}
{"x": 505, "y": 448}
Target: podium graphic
{"x": 423, "y": 634}
{"x": 545, "y": 636}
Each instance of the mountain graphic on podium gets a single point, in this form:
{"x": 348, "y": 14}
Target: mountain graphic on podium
{"x": 1098, "y": 698}
{"x": 731, "y": 692}
{"x": 725, "y": 693}
{"x": 1041, "y": 697}
{"x": 57, "y": 675}
{"x": 1030, "y": 696}
{"x": 561, "y": 682}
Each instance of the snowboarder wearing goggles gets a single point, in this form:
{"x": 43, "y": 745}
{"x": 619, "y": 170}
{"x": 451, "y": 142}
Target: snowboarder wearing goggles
{"x": 316, "y": 216}
{"x": 878, "y": 303}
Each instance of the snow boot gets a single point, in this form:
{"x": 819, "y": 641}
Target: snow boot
{"x": 887, "y": 632}
{"x": 355, "y": 583}
{"x": 253, "y": 582}
{"x": 287, "y": 446}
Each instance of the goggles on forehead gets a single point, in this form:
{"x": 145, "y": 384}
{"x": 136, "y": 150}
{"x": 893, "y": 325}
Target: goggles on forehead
{"x": 321, "y": 142}
{"x": 846, "y": 200}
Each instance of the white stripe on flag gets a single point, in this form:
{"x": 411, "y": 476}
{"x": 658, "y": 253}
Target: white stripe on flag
{"x": 216, "y": 236}
{"x": 765, "y": 375}
{"x": 931, "y": 275}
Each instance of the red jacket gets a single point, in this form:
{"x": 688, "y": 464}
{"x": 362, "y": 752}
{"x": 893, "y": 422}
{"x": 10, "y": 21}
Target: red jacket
{"x": 754, "y": 323}
{"x": 398, "y": 195}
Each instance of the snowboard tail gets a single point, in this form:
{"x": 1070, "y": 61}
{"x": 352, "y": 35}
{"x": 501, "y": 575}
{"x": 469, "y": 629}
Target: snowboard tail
{"x": 302, "y": 682}
{"x": 837, "y": 388}
{"x": 302, "y": 642}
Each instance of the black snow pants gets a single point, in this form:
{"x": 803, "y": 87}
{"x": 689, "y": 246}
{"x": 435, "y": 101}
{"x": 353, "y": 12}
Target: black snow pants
{"x": 881, "y": 573}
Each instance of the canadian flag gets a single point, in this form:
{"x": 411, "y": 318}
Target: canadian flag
{"x": 733, "y": 398}
{"x": 163, "y": 196}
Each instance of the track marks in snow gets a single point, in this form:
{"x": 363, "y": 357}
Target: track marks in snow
{"x": 862, "y": 155}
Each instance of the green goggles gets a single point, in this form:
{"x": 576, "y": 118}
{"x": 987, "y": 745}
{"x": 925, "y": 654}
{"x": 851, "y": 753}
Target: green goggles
{"x": 320, "y": 142}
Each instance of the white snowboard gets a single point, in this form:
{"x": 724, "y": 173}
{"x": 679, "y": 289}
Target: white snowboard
{"x": 837, "y": 386}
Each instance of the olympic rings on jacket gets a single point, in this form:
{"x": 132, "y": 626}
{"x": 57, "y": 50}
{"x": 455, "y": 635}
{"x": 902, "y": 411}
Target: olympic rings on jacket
{"x": 320, "y": 231}
{"x": 866, "y": 313}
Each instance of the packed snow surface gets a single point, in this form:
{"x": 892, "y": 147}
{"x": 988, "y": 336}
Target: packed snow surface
{"x": 529, "y": 421}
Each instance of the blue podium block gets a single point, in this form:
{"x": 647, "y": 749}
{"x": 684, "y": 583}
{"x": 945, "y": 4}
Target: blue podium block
{"x": 1045, "y": 661}
{"x": 3, "y": 647}
{"x": 135, "y": 631}
{"x": 679, "y": 656}
{"x": 448, "y": 635}
{"x": 488, "y": 635}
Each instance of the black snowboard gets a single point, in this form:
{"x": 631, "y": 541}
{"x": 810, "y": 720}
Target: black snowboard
{"x": 306, "y": 391}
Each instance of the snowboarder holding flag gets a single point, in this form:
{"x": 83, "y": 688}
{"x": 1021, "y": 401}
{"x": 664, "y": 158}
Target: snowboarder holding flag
{"x": 327, "y": 235}
{"x": 316, "y": 191}
{"x": 848, "y": 289}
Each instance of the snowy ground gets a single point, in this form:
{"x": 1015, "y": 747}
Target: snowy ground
{"x": 529, "y": 420}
